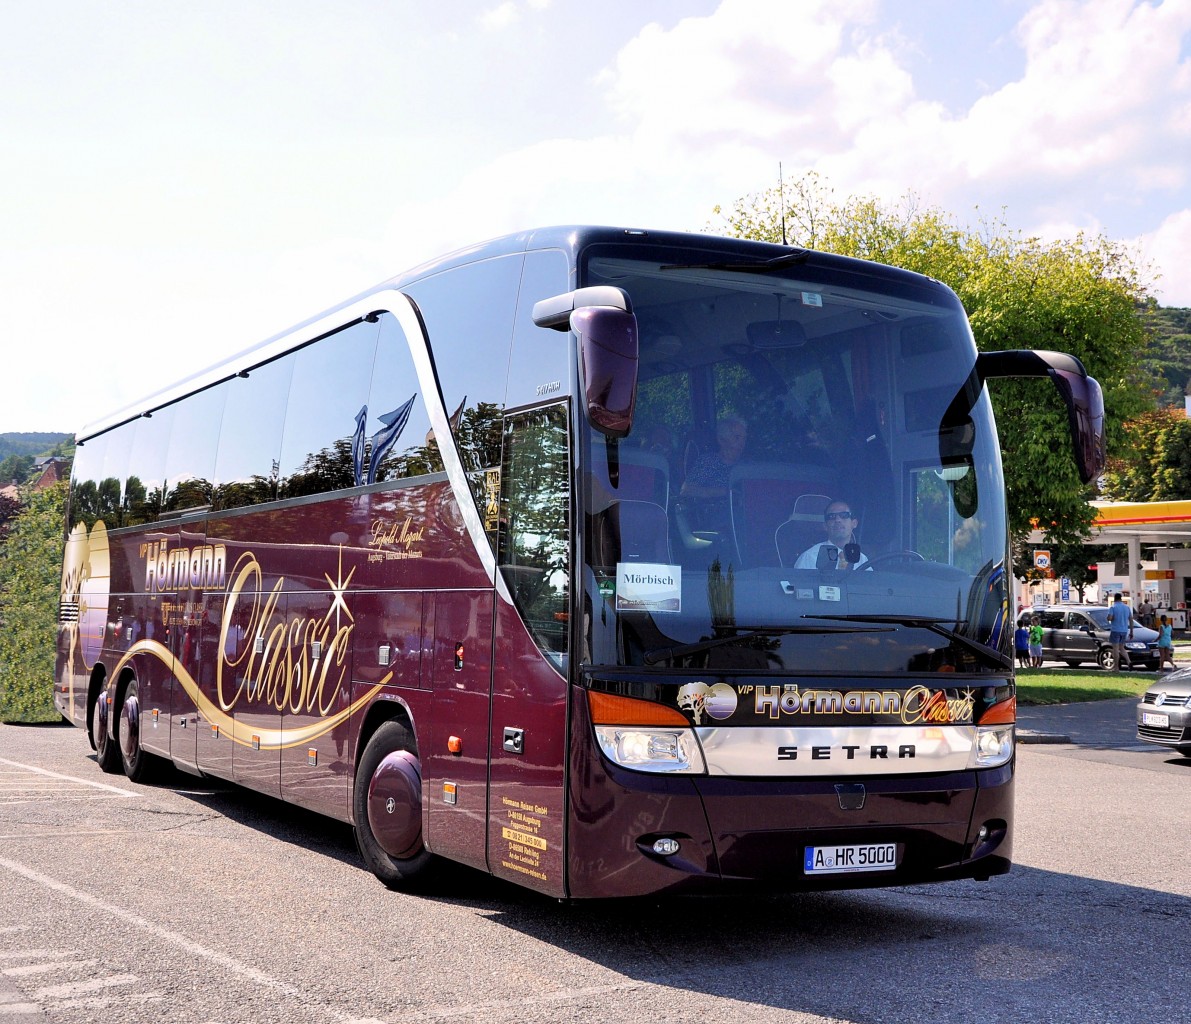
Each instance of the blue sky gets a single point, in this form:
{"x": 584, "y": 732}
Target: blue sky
{"x": 182, "y": 180}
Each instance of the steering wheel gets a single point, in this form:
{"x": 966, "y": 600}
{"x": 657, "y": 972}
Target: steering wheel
{"x": 895, "y": 556}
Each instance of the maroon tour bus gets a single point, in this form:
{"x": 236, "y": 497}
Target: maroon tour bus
{"x": 611, "y": 562}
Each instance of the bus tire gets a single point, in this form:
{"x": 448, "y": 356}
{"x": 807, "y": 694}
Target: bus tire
{"x": 138, "y": 763}
{"x": 107, "y": 750}
{"x": 387, "y": 806}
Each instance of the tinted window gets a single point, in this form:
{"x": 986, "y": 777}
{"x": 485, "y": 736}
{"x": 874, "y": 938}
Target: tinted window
{"x": 246, "y": 467}
{"x": 541, "y": 359}
{"x": 535, "y": 553}
{"x": 145, "y": 488}
{"x": 116, "y": 461}
{"x": 1052, "y": 620}
{"x": 87, "y": 473}
{"x": 468, "y": 312}
{"x": 324, "y": 419}
{"x": 190, "y": 464}
{"x": 399, "y": 440}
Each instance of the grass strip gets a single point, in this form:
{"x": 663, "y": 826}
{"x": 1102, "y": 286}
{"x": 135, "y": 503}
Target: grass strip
{"x": 1067, "y": 686}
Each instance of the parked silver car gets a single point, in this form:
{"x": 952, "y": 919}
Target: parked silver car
{"x": 1164, "y": 714}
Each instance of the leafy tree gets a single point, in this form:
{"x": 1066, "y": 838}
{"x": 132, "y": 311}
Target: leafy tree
{"x": 15, "y": 467}
{"x": 10, "y": 508}
{"x": 1154, "y": 463}
{"x": 1078, "y": 296}
{"x": 30, "y": 574}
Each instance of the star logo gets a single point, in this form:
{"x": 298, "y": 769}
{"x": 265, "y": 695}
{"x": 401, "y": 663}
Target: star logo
{"x": 338, "y": 590}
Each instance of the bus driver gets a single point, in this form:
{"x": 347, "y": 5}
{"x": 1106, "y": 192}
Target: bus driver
{"x": 839, "y": 550}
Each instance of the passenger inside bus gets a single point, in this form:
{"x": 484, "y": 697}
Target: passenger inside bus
{"x": 705, "y": 490}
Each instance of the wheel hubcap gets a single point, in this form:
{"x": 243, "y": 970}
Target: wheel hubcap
{"x": 395, "y": 804}
{"x": 99, "y": 722}
{"x": 130, "y": 727}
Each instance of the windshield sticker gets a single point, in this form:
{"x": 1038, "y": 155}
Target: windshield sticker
{"x": 812, "y": 299}
{"x": 648, "y": 587}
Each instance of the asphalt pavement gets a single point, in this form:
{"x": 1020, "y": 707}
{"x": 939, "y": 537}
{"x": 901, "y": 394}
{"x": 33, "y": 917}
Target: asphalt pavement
{"x": 1094, "y": 723}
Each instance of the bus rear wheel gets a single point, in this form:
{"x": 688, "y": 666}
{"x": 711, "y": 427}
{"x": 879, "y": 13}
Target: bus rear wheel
{"x": 107, "y": 753}
{"x": 387, "y": 805}
{"x": 138, "y": 763}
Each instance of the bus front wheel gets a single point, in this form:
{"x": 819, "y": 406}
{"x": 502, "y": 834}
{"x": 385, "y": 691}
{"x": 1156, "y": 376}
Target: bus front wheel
{"x": 387, "y": 806}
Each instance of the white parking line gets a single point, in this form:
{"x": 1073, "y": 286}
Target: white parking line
{"x": 245, "y": 971}
{"x": 68, "y": 778}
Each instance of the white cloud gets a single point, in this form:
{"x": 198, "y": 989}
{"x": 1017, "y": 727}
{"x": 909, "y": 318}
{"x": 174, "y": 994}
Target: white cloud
{"x": 1169, "y": 249}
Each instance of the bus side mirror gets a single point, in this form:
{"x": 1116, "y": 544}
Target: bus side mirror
{"x": 603, "y": 320}
{"x": 608, "y": 362}
{"x": 1080, "y": 393}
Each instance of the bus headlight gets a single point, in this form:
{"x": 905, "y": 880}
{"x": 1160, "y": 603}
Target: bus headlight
{"x": 994, "y": 746}
{"x": 674, "y": 751}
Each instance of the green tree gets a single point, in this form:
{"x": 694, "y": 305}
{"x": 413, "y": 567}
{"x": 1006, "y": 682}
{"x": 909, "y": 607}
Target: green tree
{"x": 1154, "y": 463}
{"x": 30, "y": 574}
{"x": 15, "y": 467}
{"x": 1078, "y": 296}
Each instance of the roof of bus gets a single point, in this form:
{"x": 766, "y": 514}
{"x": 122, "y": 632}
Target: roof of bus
{"x": 569, "y": 238}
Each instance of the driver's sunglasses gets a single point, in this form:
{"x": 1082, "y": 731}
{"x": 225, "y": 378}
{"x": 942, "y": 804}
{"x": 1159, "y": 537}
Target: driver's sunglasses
{"x": 828, "y": 516}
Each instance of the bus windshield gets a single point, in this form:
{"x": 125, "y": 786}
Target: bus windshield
{"x": 795, "y": 493}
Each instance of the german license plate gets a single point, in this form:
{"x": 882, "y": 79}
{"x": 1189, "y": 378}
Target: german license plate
{"x": 1153, "y": 718}
{"x": 832, "y": 860}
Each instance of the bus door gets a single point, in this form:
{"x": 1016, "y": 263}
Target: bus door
{"x": 454, "y": 750}
{"x": 529, "y": 714}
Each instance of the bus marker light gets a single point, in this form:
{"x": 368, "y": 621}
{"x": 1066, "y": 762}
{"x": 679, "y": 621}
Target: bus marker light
{"x": 666, "y": 846}
{"x": 1004, "y": 712}
{"x": 382, "y": 656}
{"x": 455, "y": 744}
{"x": 450, "y": 793}
{"x": 214, "y": 731}
{"x": 312, "y": 756}
{"x": 256, "y": 743}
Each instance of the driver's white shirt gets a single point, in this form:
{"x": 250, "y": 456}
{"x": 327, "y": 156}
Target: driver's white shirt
{"x": 809, "y": 559}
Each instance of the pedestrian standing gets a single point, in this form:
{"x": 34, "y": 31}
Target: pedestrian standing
{"x": 1120, "y": 626}
{"x": 1021, "y": 643}
{"x": 1165, "y": 643}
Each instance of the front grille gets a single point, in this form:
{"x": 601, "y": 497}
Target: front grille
{"x": 1168, "y": 735}
{"x": 1170, "y": 700}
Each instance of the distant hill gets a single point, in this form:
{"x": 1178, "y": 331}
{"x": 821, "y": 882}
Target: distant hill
{"x": 1168, "y": 357}
{"x": 17, "y": 443}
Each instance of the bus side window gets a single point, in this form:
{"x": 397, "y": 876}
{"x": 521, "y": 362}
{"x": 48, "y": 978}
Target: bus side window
{"x": 328, "y": 391}
{"x": 540, "y": 364}
{"x": 145, "y": 489}
{"x": 247, "y": 465}
{"x": 468, "y": 312}
{"x": 89, "y": 498}
{"x": 534, "y": 548}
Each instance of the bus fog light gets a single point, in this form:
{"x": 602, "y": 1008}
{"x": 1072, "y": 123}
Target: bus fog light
{"x": 651, "y": 750}
{"x": 666, "y": 846}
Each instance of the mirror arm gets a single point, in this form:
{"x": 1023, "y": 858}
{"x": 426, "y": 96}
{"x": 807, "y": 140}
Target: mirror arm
{"x": 555, "y": 312}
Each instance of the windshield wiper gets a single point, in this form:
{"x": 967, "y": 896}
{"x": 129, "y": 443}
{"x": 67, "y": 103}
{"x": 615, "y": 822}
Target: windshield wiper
{"x": 935, "y": 626}
{"x": 763, "y": 267}
{"x": 652, "y": 657}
